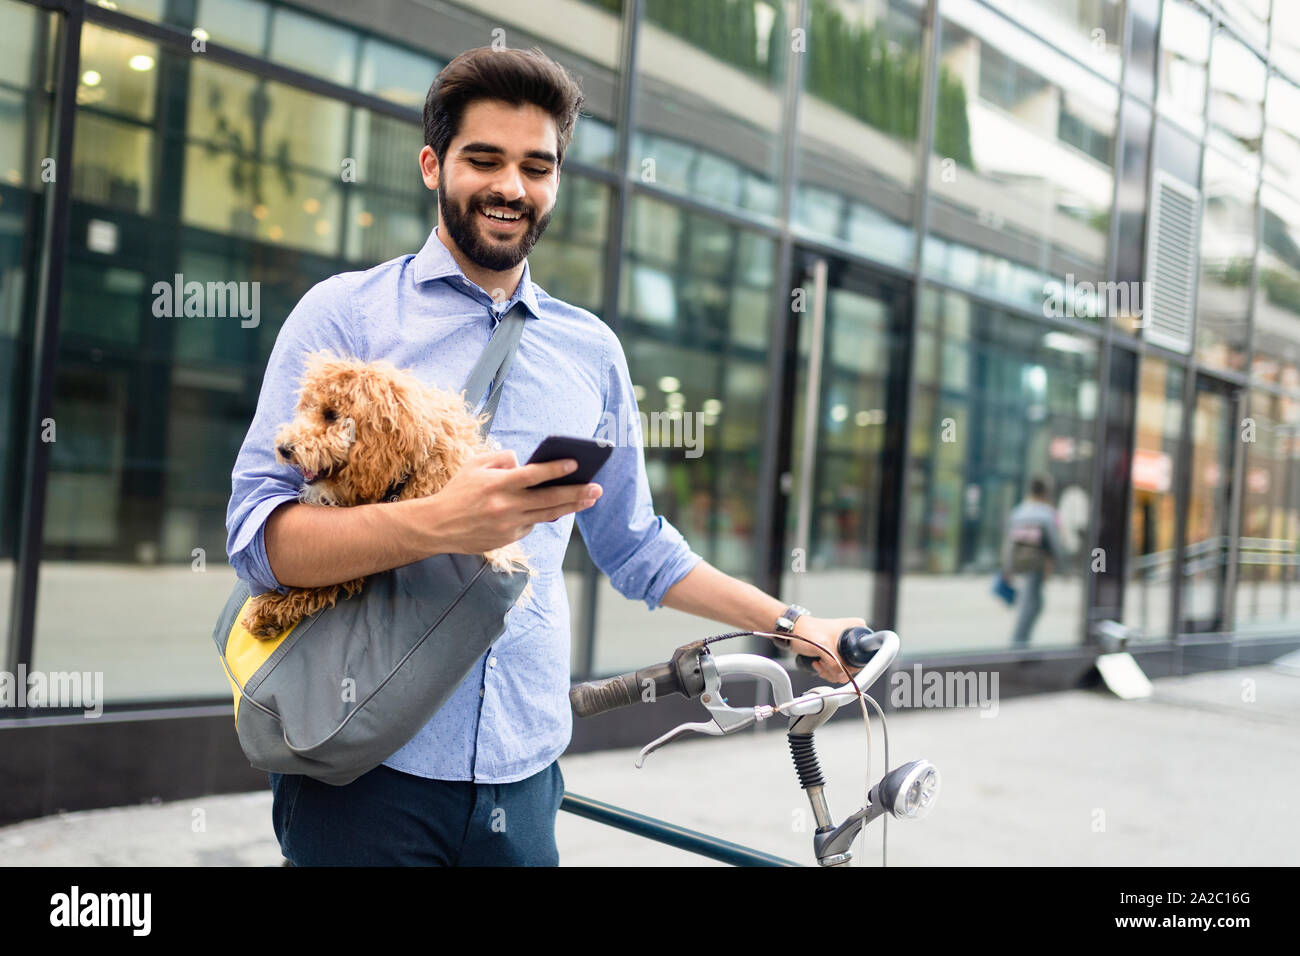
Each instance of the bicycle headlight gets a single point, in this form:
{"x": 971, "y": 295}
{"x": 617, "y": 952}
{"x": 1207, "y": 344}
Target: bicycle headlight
{"x": 910, "y": 791}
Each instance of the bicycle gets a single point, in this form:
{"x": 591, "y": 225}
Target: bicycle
{"x": 906, "y": 792}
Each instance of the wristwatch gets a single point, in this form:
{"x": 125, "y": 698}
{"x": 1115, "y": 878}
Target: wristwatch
{"x": 785, "y": 623}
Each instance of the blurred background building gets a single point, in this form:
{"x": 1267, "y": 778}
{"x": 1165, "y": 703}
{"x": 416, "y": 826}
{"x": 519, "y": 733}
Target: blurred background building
{"x": 828, "y": 228}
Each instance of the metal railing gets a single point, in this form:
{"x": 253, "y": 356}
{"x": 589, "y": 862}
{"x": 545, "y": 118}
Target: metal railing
{"x": 659, "y": 831}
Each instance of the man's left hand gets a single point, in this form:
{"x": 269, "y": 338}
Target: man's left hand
{"x": 825, "y": 631}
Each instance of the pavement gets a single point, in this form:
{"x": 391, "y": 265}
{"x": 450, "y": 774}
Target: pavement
{"x": 1204, "y": 773}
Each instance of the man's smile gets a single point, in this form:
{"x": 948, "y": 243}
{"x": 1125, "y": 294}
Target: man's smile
{"x": 502, "y": 219}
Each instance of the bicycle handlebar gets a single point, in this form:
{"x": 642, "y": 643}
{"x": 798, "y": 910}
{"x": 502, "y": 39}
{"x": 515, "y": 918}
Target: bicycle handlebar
{"x": 683, "y": 675}
{"x": 679, "y": 675}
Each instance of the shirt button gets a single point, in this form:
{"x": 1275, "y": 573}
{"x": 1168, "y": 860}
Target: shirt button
{"x": 480, "y": 691}
{"x": 492, "y": 662}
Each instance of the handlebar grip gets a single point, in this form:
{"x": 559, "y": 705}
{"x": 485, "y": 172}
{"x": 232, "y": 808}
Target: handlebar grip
{"x": 597, "y": 697}
{"x": 856, "y": 647}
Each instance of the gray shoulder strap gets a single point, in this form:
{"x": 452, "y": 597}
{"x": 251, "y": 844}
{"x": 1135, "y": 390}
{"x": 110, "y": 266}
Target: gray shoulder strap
{"x": 495, "y": 363}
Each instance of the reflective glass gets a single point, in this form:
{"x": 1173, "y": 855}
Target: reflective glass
{"x": 694, "y": 302}
{"x": 1030, "y": 203}
{"x": 1184, "y": 61}
{"x": 999, "y": 401}
{"x": 1277, "y": 292}
{"x": 710, "y": 95}
{"x": 1227, "y": 250}
{"x": 1089, "y": 30}
{"x": 1151, "y": 521}
{"x": 1268, "y": 580}
{"x": 25, "y": 112}
{"x": 858, "y": 131}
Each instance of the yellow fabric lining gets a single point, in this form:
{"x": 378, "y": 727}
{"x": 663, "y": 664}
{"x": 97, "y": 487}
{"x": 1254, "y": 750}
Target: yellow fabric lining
{"x": 245, "y": 654}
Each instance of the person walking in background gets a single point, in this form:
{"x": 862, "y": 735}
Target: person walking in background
{"x": 1031, "y": 548}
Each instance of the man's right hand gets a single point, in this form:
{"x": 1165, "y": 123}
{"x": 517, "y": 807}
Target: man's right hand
{"x": 489, "y": 503}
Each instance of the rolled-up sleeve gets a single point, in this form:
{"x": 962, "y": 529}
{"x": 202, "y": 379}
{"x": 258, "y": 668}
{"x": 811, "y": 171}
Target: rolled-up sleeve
{"x": 642, "y": 554}
{"x": 259, "y": 484}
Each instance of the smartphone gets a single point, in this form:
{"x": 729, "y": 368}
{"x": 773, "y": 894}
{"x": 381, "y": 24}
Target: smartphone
{"x": 590, "y": 453}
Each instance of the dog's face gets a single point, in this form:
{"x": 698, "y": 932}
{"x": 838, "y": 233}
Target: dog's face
{"x": 361, "y": 429}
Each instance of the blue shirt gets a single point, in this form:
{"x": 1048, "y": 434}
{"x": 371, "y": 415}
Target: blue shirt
{"x": 510, "y": 718}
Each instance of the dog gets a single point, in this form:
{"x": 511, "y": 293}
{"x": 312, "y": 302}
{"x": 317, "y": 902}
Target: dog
{"x": 366, "y": 432}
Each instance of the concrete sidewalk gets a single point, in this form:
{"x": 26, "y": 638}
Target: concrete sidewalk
{"x": 1200, "y": 775}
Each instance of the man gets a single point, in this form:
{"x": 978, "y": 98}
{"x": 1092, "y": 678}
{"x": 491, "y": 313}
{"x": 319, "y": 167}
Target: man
{"x": 1031, "y": 547}
{"x": 480, "y": 784}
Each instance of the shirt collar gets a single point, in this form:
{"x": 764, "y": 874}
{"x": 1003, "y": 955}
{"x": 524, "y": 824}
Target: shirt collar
{"x": 435, "y": 261}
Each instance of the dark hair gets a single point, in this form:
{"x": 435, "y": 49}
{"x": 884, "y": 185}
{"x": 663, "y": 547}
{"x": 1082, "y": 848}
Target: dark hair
{"x": 514, "y": 76}
{"x": 1040, "y": 486}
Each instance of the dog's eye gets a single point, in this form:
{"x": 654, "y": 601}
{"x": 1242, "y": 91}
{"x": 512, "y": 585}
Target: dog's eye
{"x": 330, "y": 415}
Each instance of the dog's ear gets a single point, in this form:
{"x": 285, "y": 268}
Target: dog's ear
{"x": 329, "y": 378}
{"x": 391, "y": 420}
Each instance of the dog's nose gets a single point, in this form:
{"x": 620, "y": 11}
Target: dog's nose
{"x": 286, "y": 451}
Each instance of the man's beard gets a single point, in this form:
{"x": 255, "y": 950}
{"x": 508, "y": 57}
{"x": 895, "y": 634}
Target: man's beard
{"x": 465, "y": 229}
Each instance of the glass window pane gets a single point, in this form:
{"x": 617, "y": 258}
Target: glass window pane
{"x": 570, "y": 264}
{"x": 1277, "y": 293}
{"x": 1089, "y": 30}
{"x": 1184, "y": 57}
{"x": 396, "y": 73}
{"x": 144, "y": 9}
{"x": 857, "y": 137}
{"x": 702, "y": 389}
{"x": 118, "y": 73}
{"x": 1249, "y": 18}
{"x": 240, "y": 24}
{"x": 1000, "y": 401}
{"x": 1030, "y": 202}
{"x": 1227, "y": 250}
{"x": 19, "y": 29}
{"x": 1282, "y": 137}
{"x": 710, "y": 99}
{"x": 1268, "y": 579}
{"x": 1151, "y": 522}
{"x": 309, "y": 44}
{"x": 25, "y": 110}
{"x": 585, "y": 36}
{"x": 112, "y": 163}
{"x": 267, "y": 160}
{"x": 1236, "y": 99}
{"x": 1286, "y": 38}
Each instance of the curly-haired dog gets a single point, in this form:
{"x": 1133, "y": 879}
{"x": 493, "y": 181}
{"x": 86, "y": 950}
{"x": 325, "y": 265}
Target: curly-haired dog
{"x": 366, "y": 432}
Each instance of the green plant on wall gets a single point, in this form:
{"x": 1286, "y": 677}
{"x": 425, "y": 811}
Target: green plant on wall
{"x": 850, "y": 65}
{"x": 725, "y": 29}
{"x": 1281, "y": 288}
{"x": 855, "y": 67}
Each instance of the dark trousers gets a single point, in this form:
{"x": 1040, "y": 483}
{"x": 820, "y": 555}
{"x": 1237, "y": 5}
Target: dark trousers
{"x": 1031, "y": 605}
{"x": 389, "y": 818}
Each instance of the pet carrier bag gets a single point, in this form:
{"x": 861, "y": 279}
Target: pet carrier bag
{"x": 341, "y": 691}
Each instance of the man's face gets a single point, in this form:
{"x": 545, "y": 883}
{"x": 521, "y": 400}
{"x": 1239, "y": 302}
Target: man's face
{"x": 497, "y": 182}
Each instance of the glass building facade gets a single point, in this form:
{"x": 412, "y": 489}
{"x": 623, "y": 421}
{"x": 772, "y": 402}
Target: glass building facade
{"x": 870, "y": 248}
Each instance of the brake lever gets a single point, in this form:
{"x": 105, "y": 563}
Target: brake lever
{"x": 725, "y": 720}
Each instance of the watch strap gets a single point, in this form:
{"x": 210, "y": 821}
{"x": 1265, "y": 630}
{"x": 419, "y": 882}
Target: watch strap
{"x": 785, "y": 623}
